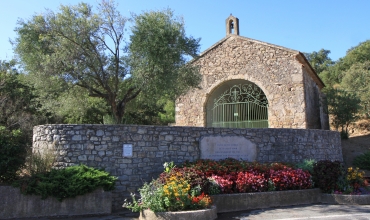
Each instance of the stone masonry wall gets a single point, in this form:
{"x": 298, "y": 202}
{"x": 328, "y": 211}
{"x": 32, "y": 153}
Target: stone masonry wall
{"x": 312, "y": 98}
{"x": 274, "y": 69}
{"x": 101, "y": 146}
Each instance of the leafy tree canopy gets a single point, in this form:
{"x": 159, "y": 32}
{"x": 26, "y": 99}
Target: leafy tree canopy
{"x": 357, "y": 80}
{"x": 17, "y": 102}
{"x": 80, "y": 47}
{"x": 320, "y": 61}
{"x": 357, "y": 54}
{"x": 343, "y": 107}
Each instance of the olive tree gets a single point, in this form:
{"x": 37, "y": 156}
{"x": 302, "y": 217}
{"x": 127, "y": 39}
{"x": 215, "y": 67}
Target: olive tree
{"x": 87, "y": 48}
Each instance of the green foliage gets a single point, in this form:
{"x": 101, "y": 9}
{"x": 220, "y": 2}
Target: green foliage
{"x": 357, "y": 54}
{"x": 168, "y": 166}
{"x": 78, "y": 46}
{"x": 326, "y": 174}
{"x": 150, "y": 197}
{"x": 143, "y": 112}
{"x": 159, "y": 51}
{"x": 66, "y": 183}
{"x": 363, "y": 161}
{"x": 17, "y": 102}
{"x": 343, "y": 106}
{"x": 146, "y": 110}
{"x": 109, "y": 120}
{"x": 213, "y": 187}
{"x": 334, "y": 74}
{"x": 350, "y": 74}
{"x": 357, "y": 80}
{"x": 168, "y": 116}
{"x": 76, "y": 107}
{"x": 306, "y": 165}
{"x": 79, "y": 37}
{"x": 320, "y": 61}
{"x": 12, "y": 153}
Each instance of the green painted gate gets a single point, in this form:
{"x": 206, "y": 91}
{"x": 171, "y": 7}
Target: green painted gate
{"x": 241, "y": 106}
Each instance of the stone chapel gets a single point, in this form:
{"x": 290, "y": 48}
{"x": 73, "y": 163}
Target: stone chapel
{"x": 248, "y": 83}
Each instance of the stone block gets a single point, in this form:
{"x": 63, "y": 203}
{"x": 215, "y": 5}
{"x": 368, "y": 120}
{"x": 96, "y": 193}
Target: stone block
{"x": 218, "y": 147}
{"x": 82, "y": 158}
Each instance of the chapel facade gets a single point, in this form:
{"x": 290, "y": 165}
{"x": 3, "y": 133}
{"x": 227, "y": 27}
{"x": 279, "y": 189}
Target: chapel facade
{"x": 248, "y": 83}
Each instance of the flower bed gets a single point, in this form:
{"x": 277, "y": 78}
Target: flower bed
{"x": 188, "y": 187}
{"x": 234, "y": 185}
{"x": 233, "y": 176}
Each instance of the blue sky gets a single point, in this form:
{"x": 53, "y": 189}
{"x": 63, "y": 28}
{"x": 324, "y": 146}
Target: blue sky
{"x": 307, "y": 26}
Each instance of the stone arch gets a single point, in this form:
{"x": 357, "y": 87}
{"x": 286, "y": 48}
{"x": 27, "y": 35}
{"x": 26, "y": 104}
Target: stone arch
{"x": 237, "y": 103}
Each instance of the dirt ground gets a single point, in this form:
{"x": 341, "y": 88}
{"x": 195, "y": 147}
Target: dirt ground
{"x": 357, "y": 144}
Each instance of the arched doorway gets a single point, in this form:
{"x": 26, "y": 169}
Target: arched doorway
{"x": 238, "y": 104}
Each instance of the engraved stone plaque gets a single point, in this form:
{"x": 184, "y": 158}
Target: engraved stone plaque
{"x": 222, "y": 147}
{"x": 127, "y": 150}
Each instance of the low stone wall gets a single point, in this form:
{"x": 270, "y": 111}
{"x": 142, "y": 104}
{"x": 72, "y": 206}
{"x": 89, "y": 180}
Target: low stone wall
{"x": 13, "y": 204}
{"x": 101, "y": 146}
{"x": 339, "y": 199}
{"x": 260, "y": 200}
{"x": 209, "y": 214}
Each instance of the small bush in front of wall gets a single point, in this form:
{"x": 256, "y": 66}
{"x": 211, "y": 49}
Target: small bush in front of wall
{"x": 66, "y": 183}
{"x": 306, "y": 165}
{"x": 12, "y": 153}
{"x": 326, "y": 174}
{"x": 363, "y": 161}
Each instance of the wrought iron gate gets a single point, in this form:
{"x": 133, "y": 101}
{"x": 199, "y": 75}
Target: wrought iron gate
{"x": 241, "y": 106}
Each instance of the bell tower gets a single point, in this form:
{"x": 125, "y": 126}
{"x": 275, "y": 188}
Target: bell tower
{"x": 232, "y": 25}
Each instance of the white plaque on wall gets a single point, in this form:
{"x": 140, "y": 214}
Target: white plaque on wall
{"x": 221, "y": 147}
{"x": 127, "y": 150}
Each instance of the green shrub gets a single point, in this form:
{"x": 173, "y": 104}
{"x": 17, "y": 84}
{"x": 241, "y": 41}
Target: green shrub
{"x": 363, "y": 161}
{"x": 12, "y": 153}
{"x": 306, "y": 165}
{"x": 326, "y": 174}
{"x": 66, "y": 183}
